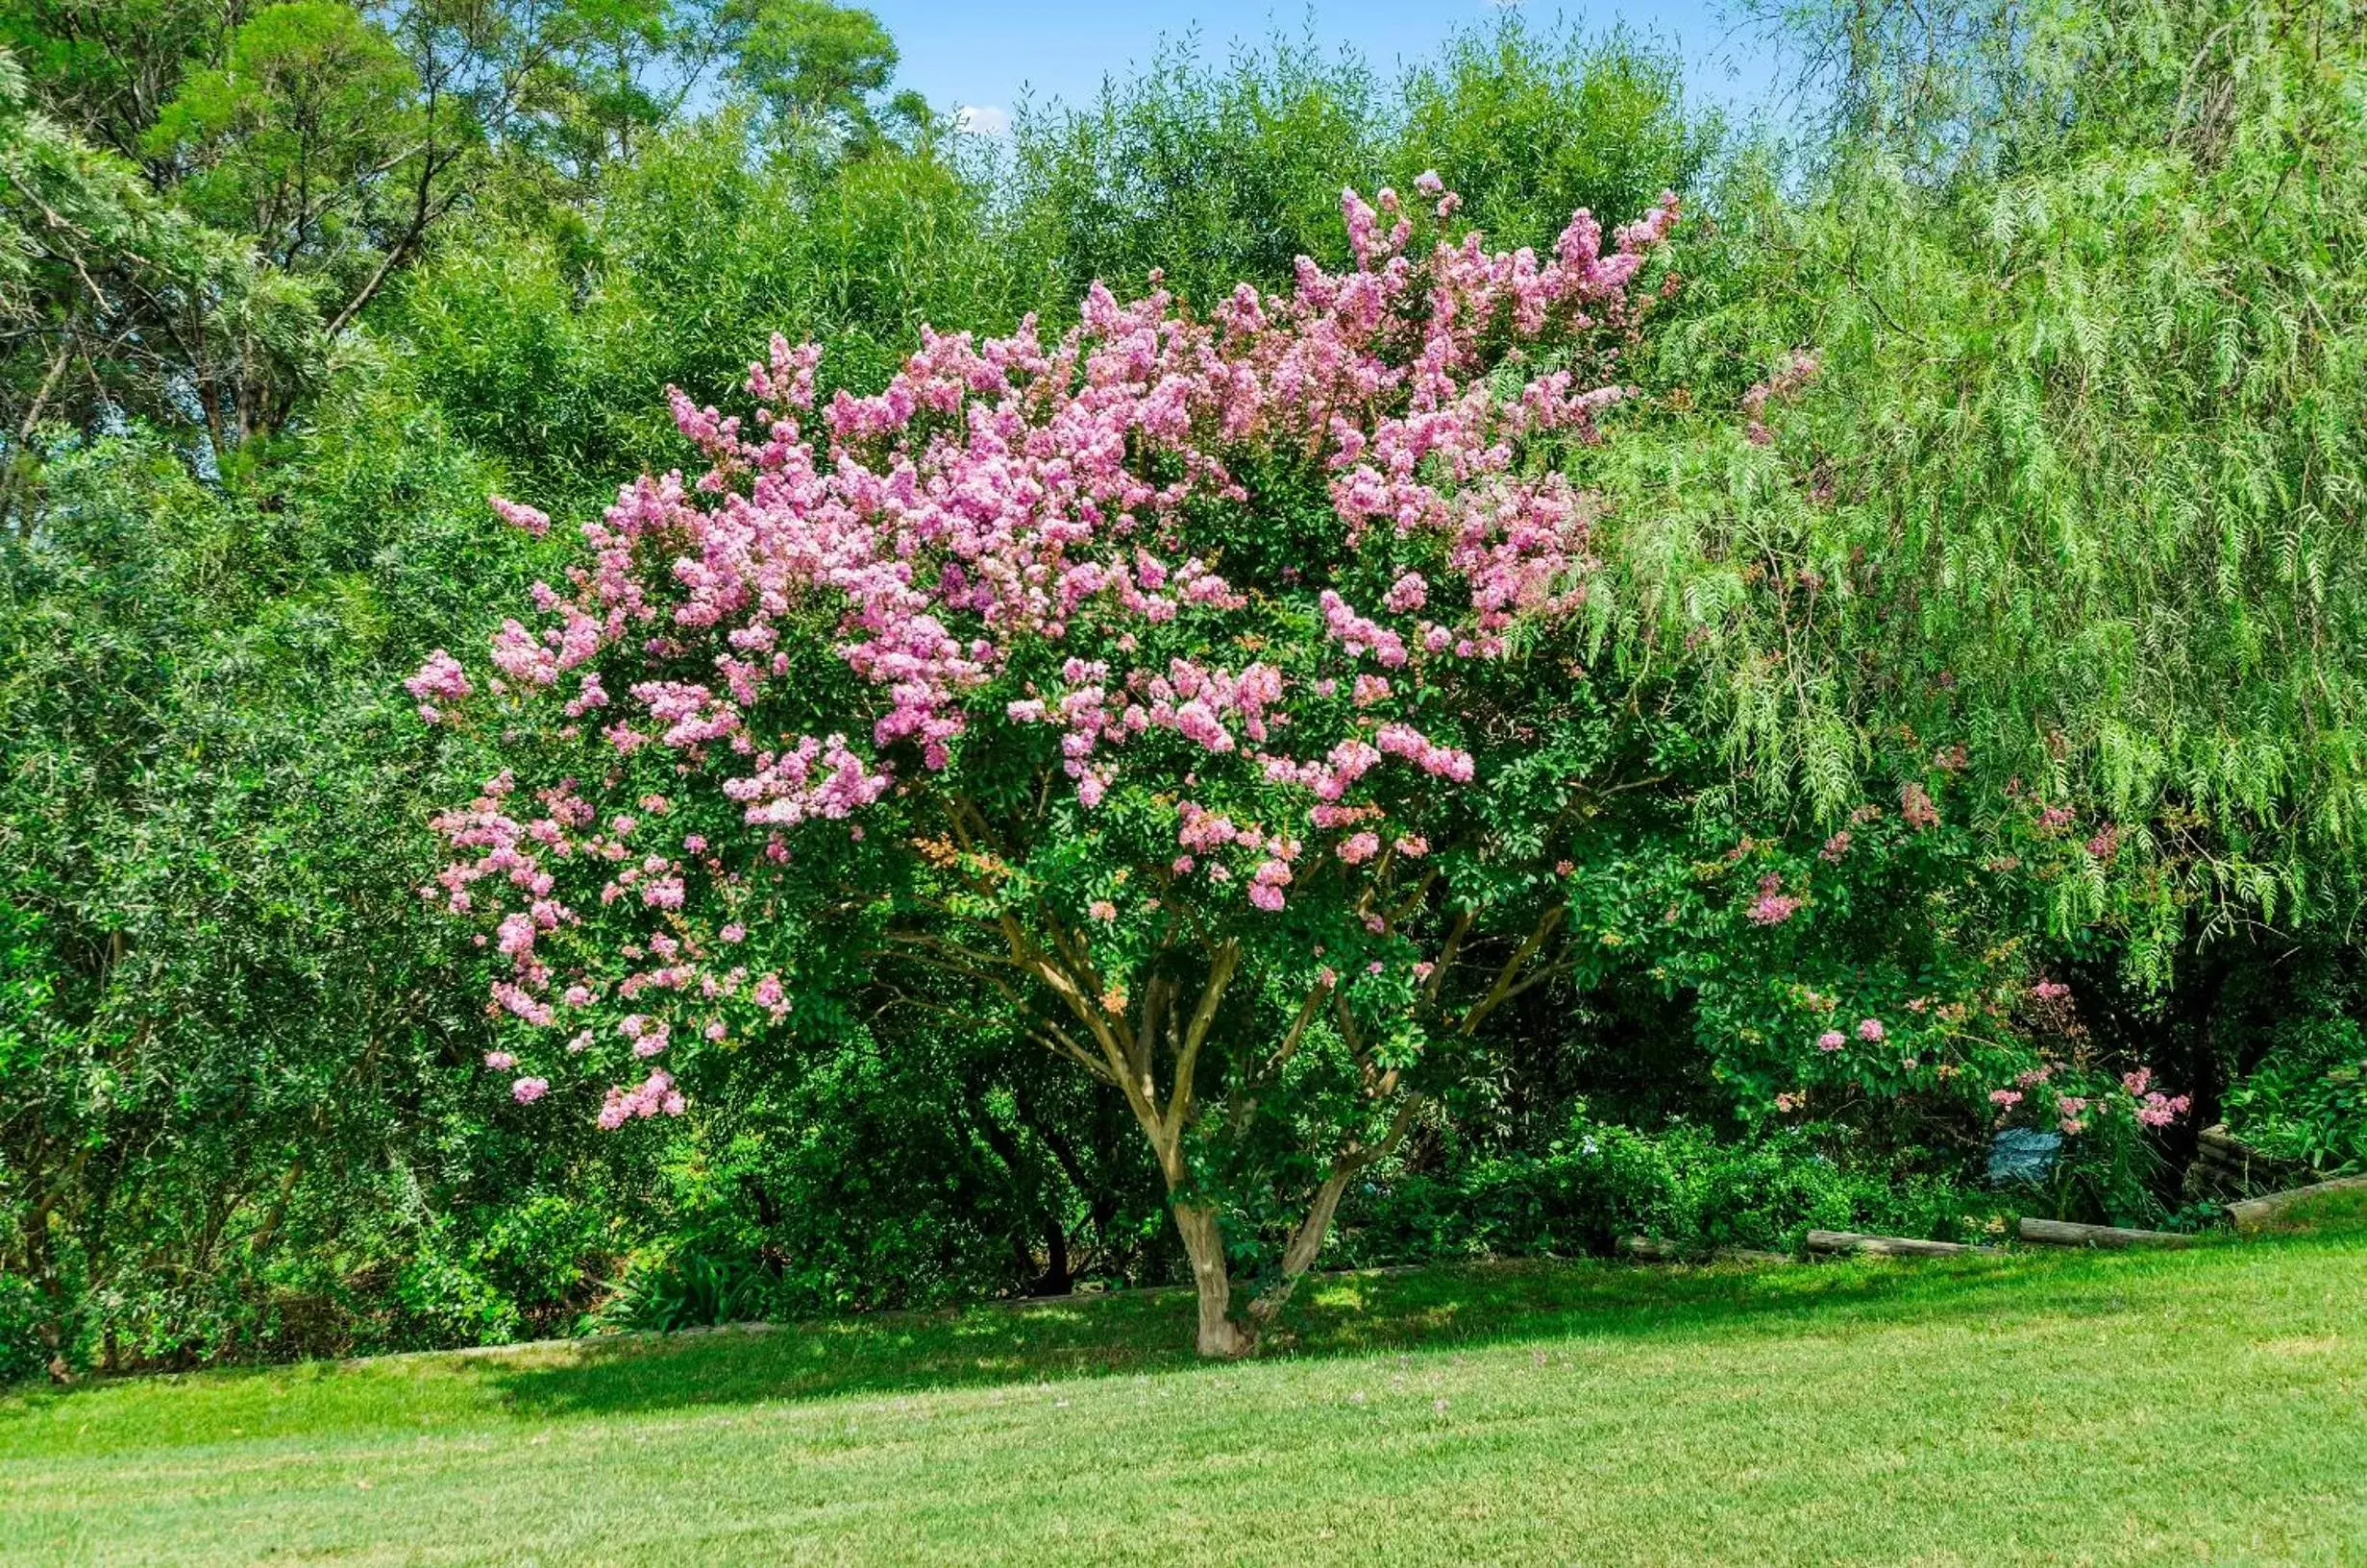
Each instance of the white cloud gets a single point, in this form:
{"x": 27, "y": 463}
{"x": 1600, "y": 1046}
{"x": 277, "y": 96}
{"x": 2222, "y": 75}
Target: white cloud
{"x": 981, "y": 120}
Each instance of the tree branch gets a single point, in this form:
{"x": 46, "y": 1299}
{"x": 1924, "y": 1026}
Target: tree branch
{"x": 1187, "y": 1060}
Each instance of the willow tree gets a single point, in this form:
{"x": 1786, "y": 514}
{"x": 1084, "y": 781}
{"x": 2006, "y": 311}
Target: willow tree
{"x": 2075, "y": 481}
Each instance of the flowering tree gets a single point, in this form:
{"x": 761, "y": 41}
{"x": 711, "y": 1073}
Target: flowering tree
{"x": 1193, "y": 693}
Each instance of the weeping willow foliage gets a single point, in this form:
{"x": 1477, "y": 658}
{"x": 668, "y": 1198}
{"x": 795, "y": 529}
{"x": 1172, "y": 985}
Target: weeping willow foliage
{"x": 2077, "y": 484}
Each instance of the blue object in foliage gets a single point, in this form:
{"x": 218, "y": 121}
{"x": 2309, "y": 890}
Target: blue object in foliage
{"x": 2023, "y": 1154}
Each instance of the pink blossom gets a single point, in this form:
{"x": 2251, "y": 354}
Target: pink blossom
{"x": 2004, "y": 1098}
{"x": 1774, "y": 906}
{"x": 440, "y": 679}
{"x": 500, "y": 1060}
{"x": 1869, "y": 1030}
{"x": 527, "y": 1091}
{"x": 1832, "y": 1039}
{"x": 648, "y": 1098}
{"x": 1005, "y": 546}
{"x": 524, "y": 518}
{"x": 770, "y": 995}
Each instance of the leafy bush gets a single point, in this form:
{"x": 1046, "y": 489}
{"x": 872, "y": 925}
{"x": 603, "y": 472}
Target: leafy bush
{"x": 2308, "y": 1098}
{"x": 1688, "y": 1185}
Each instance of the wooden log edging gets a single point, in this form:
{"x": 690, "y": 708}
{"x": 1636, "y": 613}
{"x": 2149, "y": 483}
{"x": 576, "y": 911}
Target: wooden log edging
{"x": 2063, "y": 1233}
{"x": 1648, "y": 1249}
{"x": 2227, "y": 1168}
{"x": 2253, "y": 1212}
{"x": 1831, "y": 1243}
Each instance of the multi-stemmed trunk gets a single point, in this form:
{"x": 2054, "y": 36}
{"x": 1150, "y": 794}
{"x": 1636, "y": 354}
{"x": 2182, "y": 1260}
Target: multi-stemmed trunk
{"x": 1120, "y": 1038}
{"x": 1219, "y": 1333}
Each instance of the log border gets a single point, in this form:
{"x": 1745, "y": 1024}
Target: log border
{"x": 2251, "y": 1213}
{"x": 2063, "y": 1233}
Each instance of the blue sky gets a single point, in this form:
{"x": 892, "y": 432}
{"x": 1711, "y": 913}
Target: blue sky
{"x": 961, "y": 53}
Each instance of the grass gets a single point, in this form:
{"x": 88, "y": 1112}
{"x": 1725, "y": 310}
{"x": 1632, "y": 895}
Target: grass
{"x": 2203, "y": 1406}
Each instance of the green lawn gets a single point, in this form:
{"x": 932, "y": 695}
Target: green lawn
{"x": 2199, "y": 1406}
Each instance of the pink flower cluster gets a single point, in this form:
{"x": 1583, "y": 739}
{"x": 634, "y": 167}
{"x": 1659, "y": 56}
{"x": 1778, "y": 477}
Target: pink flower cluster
{"x": 1002, "y": 548}
{"x": 651, "y": 1095}
{"x": 1774, "y": 906}
{"x": 440, "y": 679}
{"x": 2151, "y": 1107}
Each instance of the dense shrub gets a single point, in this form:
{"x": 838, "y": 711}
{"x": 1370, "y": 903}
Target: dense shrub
{"x": 2301, "y": 1082}
{"x": 1687, "y": 1185}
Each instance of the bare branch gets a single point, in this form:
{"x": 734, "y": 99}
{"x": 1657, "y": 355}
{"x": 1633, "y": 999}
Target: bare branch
{"x": 1502, "y": 988}
{"x": 1446, "y": 955}
{"x": 1187, "y": 1060}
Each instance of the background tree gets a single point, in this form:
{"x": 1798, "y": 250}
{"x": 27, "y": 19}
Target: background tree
{"x": 108, "y": 294}
{"x": 816, "y": 69}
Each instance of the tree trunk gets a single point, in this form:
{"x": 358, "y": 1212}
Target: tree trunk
{"x": 1057, "y": 1280}
{"x": 1306, "y": 1244}
{"x": 1218, "y": 1335}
